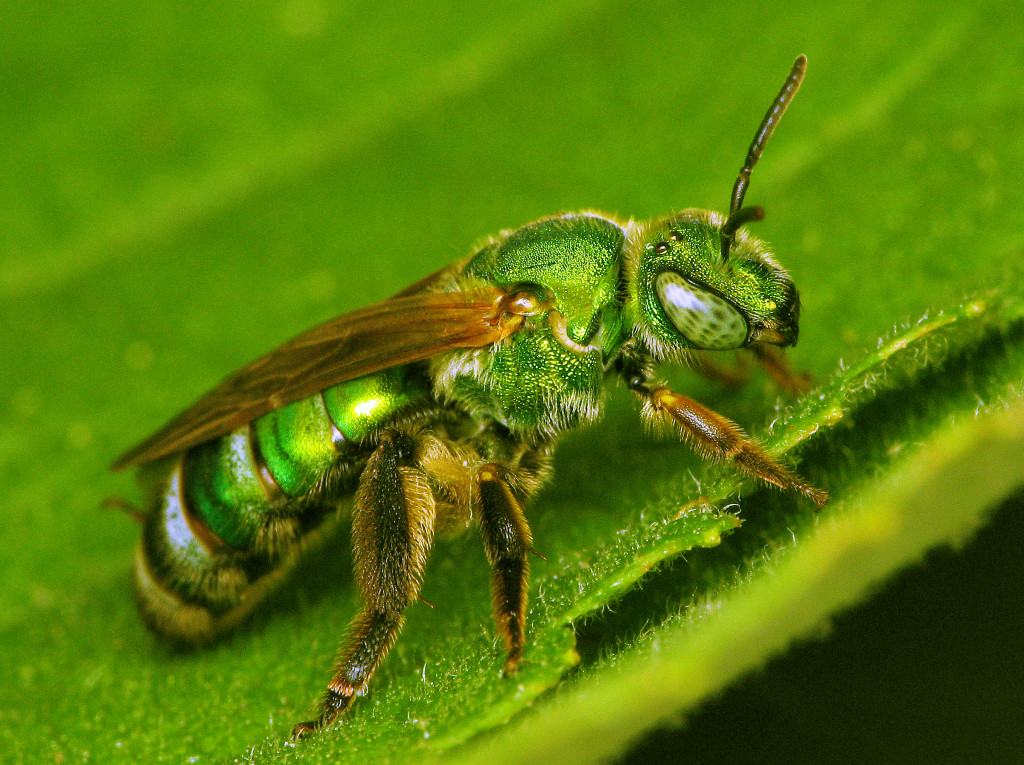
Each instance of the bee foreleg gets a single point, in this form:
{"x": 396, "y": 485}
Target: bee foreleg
{"x": 392, "y": 532}
{"x": 507, "y": 540}
{"x": 706, "y": 365}
{"x": 773, "y": 362}
{"x": 717, "y": 437}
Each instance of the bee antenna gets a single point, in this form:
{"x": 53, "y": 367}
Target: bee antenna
{"x": 738, "y": 214}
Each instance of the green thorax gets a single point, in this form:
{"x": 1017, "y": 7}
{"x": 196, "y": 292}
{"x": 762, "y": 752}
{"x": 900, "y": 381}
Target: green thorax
{"x": 533, "y": 381}
{"x": 576, "y": 257}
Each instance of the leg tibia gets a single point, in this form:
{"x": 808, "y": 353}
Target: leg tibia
{"x": 392, "y": 531}
{"x": 774, "y": 363}
{"x": 372, "y": 635}
{"x": 506, "y": 537}
{"x": 721, "y": 439}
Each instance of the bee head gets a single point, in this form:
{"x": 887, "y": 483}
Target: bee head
{"x": 699, "y": 281}
{"x": 684, "y": 297}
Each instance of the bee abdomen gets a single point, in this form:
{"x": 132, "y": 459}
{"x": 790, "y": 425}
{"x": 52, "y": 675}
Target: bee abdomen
{"x": 184, "y": 573}
{"x": 230, "y": 510}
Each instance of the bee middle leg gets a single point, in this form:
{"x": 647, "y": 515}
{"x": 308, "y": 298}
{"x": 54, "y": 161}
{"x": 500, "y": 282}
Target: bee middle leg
{"x": 507, "y": 540}
{"x": 392, "y": 532}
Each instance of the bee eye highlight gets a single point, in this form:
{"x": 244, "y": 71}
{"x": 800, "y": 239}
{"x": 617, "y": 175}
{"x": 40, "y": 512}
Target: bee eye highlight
{"x": 661, "y": 248}
{"x": 706, "y": 320}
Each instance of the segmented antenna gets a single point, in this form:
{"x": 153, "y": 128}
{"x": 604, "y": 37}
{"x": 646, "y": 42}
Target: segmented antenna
{"x": 739, "y": 215}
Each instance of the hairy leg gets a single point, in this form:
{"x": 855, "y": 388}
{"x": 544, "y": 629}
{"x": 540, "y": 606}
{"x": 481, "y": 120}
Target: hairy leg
{"x": 392, "y": 532}
{"x": 718, "y": 438}
{"x": 507, "y": 539}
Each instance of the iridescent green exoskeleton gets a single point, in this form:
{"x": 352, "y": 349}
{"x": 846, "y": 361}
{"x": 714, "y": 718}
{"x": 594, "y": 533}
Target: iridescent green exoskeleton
{"x": 443, "y": 404}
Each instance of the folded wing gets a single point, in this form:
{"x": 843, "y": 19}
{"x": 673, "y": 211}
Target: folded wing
{"x": 402, "y": 330}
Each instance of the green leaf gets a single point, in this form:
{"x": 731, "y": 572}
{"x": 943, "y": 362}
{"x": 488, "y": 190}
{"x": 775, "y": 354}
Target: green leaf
{"x": 184, "y": 187}
{"x": 941, "y": 474}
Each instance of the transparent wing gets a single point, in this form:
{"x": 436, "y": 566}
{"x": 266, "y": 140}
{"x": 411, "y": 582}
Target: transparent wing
{"x": 398, "y": 331}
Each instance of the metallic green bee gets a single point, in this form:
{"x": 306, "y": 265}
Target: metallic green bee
{"x": 443, "y": 404}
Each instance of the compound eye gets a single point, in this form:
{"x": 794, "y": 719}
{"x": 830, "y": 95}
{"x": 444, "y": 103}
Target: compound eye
{"x": 702, "y": 317}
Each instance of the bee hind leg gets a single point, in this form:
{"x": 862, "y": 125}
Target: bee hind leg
{"x": 392, "y": 532}
{"x": 117, "y": 503}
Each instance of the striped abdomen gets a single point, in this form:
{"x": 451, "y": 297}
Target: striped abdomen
{"x": 228, "y": 512}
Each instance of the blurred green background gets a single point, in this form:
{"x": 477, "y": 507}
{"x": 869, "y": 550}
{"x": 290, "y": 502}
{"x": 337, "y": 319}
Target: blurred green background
{"x": 182, "y": 186}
